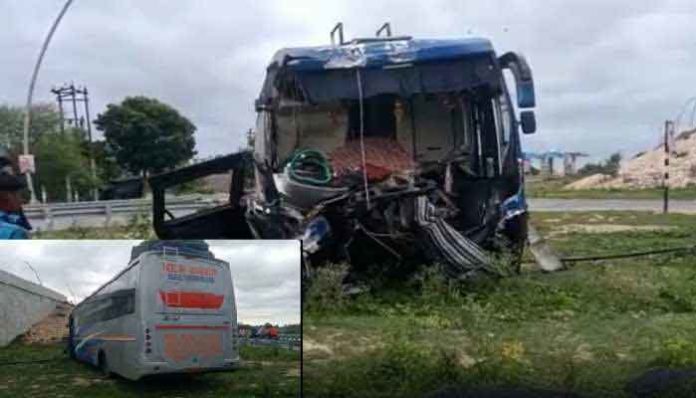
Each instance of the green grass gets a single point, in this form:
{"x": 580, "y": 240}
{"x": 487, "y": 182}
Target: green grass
{"x": 138, "y": 227}
{"x": 537, "y": 187}
{"x": 589, "y": 329}
{"x": 268, "y": 353}
{"x": 264, "y": 373}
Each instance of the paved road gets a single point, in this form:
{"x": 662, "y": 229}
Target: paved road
{"x": 560, "y": 205}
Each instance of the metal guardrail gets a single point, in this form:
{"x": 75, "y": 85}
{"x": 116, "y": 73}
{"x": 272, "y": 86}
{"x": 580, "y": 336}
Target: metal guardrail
{"x": 108, "y": 209}
{"x": 291, "y": 342}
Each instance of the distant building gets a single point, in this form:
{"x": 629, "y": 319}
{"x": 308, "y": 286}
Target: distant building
{"x": 547, "y": 165}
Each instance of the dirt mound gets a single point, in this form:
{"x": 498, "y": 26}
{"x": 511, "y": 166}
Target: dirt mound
{"x": 52, "y": 329}
{"x": 646, "y": 170}
{"x": 589, "y": 182}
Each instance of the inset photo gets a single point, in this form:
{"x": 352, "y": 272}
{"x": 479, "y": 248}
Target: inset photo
{"x": 145, "y": 318}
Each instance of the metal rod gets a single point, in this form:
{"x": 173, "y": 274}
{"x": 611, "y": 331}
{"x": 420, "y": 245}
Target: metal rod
{"x": 30, "y": 94}
{"x": 339, "y": 28}
{"x": 665, "y": 184}
{"x": 34, "y": 271}
{"x": 362, "y": 138}
{"x": 386, "y": 27}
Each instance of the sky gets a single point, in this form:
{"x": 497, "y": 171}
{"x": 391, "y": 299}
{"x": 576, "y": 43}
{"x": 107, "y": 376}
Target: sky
{"x": 608, "y": 73}
{"x": 266, "y": 274}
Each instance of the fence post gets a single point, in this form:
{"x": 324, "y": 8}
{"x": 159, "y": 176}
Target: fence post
{"x": 108, "y": 211}
{"x": 48, "y": 217}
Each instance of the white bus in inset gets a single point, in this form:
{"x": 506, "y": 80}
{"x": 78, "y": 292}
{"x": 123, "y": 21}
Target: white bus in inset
{"x": 171, "y": 310}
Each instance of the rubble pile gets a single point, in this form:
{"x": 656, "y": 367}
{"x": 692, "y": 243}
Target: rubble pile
{"x": 646, "y": 169}
{"x": 52, "y": 329}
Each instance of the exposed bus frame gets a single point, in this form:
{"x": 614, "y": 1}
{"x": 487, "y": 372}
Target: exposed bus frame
{"x": 267, "y": 213}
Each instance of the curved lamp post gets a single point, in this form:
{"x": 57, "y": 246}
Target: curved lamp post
{"x": 30, "y": 94}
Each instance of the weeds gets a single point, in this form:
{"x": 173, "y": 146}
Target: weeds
{"x": 262, "y": 353}
{"x": 272, "y": 376}
{"x": 138, "y": 227}
{"x": 326, "y": 295}
{"x": 677, "y": 352}
{"x": 590, "y": 329}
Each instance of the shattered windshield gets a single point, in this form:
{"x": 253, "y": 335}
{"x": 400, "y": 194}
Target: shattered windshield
{"x": 398, "y": 132}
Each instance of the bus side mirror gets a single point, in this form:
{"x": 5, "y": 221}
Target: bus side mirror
{"x": 528, "y": 122}
{"x": 260, "y": 105}
{"x": 524, "y": 81}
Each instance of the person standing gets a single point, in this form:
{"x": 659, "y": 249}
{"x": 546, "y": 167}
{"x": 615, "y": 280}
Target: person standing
{"x": 13, "y": 222}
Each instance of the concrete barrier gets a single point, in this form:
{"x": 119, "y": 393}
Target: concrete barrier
{"x": 22, "y": 304}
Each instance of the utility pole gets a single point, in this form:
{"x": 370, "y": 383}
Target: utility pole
{"x": 92, "y": 162}
{"x": 62, "y": 117}
{"x": 74, "y": 95}
{"x": 665, "y": 180}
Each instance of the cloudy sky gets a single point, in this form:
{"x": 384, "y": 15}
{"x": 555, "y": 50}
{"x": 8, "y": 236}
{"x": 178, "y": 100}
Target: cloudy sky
{"x": 608, "y": 73}
{"x": 266, "y": 274}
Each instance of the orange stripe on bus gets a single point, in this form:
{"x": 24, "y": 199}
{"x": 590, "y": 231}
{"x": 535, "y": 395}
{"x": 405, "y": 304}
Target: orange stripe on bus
{"x": 178, "y": 299}
{"x": 116, "y": 338}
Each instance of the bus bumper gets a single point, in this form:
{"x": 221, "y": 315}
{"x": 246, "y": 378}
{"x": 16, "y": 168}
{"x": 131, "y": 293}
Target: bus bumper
{"x": 157, "y": 368}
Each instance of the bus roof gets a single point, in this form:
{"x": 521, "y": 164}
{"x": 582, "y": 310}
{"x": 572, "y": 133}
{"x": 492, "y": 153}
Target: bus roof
{"x": 378, "y": 53}
{"x": 441, "y": 65}
{"x": 196, "y": 248}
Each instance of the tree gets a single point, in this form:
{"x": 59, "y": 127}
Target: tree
{"x": 147, "y": 136}
{"x": 107, "y": 167}
{"x": 610, "y": 166}
{"x": 44, "y": 119}
{"x": 59, "y": 156}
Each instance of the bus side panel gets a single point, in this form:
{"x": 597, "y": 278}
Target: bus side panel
{"x": 105, "y": 324}
{"x": 87, "y": 348}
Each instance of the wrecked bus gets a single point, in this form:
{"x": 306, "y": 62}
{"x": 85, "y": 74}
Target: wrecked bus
{"x": 171, "y": 310}
{"x": 389, "y": 147}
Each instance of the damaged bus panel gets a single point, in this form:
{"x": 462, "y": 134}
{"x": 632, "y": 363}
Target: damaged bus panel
{"x": 405, "y": 146}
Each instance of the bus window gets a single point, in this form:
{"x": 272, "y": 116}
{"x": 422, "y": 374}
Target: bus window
{"x": 107, "y": 306}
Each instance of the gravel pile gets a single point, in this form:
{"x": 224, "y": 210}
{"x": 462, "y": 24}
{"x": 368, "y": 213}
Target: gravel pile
{"x": 646, "y": 169}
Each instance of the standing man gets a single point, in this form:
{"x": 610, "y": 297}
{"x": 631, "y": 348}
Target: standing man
{"x": 13, "y": 222}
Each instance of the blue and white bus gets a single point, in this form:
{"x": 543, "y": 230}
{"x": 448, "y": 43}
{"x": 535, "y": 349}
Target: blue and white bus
{"x": 172, "y": 309}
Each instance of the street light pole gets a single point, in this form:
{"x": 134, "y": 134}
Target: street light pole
{"x": 30, "y": 94}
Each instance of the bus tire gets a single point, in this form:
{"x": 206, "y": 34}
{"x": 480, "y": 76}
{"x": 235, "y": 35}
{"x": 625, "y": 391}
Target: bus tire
{"x": 103, "y": 364}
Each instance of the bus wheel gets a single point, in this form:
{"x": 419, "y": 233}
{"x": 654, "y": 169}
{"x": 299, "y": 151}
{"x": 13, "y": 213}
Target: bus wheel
{"x": 104, "y": 365}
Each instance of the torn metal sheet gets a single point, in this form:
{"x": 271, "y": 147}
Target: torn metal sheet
{"x": 544, "y": 255}
{"x": 376, "y": 53}
{"x": 461, "y": 256}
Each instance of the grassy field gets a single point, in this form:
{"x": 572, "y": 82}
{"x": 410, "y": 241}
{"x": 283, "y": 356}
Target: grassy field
{"x": 536, "y": 187}
{"x": 138, "y": 227}
{"x": 587, "y": 330}
{"x": 266, "y": 372}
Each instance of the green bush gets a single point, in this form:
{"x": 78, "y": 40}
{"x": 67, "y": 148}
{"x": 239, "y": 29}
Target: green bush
{"x": 677, "y": 352}
{"x": 325, "y": 293}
